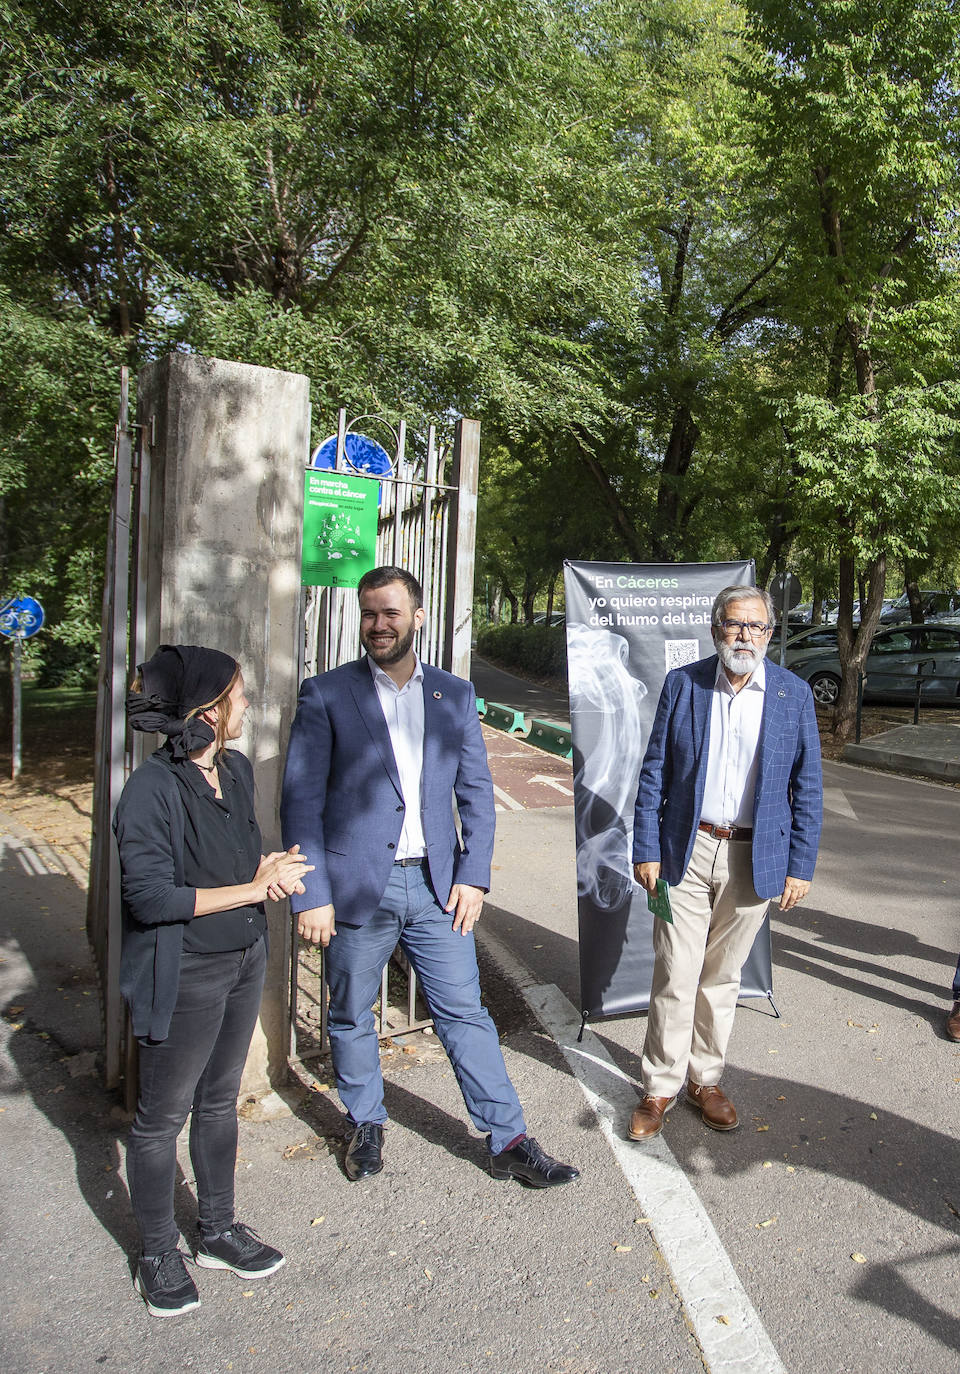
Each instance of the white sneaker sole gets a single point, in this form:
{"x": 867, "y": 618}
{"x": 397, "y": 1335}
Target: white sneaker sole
{"x": 163, "y": 1311}
{"x": 211, "y": 1262}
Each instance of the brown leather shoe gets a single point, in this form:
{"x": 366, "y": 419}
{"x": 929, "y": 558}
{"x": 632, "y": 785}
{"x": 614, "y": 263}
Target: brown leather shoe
{"x": 646, "y": 1120}
{"x": 715, "y": 1107}
{"x": 953, "y": 1023}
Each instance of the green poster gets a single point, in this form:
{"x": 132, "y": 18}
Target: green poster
{"x": 339, "y": 528}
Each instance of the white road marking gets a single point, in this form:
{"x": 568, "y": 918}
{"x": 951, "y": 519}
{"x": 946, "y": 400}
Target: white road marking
{"x": 705, "y": 1279}
{"x": 505, "y": 797}
{"x": 835, "y": 799}
{"x": 553, "y": 782}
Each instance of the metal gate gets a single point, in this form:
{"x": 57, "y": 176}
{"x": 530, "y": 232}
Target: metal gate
{"x": 427, "y": 524}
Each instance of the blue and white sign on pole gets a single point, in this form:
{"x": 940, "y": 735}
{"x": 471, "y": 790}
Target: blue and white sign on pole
{"x": 20, "y": 617}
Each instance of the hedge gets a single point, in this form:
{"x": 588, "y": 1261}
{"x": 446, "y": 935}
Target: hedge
{"x": 537, "y": 649}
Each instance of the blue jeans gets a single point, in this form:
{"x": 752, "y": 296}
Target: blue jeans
{"x": 956, "y": 983}
{"x": 445, "y": 963}
{"x": 196, "y": 1070}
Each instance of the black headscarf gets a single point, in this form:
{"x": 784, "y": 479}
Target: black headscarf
{"x": 176, "y": 680}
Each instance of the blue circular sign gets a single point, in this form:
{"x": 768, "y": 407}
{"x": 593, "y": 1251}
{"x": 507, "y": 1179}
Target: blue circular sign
{"x": 21, "y": 616}
{"x": 362, "y": 453}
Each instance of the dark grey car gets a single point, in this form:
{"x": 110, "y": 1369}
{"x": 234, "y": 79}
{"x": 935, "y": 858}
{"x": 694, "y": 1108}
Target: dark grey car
{"x": 896, "y": 656}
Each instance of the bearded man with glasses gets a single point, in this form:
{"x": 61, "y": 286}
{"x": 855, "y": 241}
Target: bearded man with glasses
{"x": 728, "y": 814}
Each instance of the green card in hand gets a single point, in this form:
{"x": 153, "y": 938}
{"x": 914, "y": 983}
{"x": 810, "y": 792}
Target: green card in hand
{"x": 659, "y": 902}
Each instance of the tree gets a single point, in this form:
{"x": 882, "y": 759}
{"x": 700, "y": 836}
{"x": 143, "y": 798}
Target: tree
{"x": 855, "y": 121}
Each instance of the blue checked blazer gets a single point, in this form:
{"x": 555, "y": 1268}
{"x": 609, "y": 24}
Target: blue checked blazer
{"x": 788, "y": 807}
{"x": 342, "y": 801}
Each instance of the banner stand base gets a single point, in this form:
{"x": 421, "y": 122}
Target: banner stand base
{"x": 640, "y": 1011}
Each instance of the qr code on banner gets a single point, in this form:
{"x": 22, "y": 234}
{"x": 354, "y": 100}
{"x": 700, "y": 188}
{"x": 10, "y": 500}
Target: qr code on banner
{"x": 677, "y": 652}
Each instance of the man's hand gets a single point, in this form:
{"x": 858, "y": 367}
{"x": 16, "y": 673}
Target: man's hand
{"x": 794, "y": 890}
{"x": 317, "y": 925}
{"x": 646, "y": 875}
{"x": 468, "y": 902}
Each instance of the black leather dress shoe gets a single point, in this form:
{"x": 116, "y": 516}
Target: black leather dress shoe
{"x": 531, "y": 1165}
{"x": 364, "y": 1156}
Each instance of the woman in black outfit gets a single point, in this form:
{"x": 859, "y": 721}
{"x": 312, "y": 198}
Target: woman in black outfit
{"x": 193, "y": 959}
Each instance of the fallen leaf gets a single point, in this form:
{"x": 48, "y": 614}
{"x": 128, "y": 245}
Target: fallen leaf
{"x": 763, "y": 1128}
{"x": 781, "y": 1098}
{"x": 654, "y": 1293}
{"x": 767, "y": 1164}
{"x": 761, "y": 1225}
{"x": 317, "y": 1220}
{"x": 858, "y": 1258}
{"x": 622, "y": 1249}
{"x": 409, "y": 1049}
{"x": 873, "y": 1116}
{"x": 724, "y": 1321}
{"x": 791, "y": 1169}
{"x": 428, "y": 1273}
{"x": 641, "y": 1221}
{"x": 247, "y": 1293}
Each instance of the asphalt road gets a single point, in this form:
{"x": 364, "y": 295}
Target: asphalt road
{"x": 838, "y": 1200}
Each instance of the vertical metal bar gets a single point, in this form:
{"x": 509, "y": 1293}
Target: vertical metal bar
{"x": 398, "y": 494}
{"x": 384, "y": 993}
{"x": 341, "y": 437}
{"x": 17, "y": 707}
{"x": 460, "y": 549}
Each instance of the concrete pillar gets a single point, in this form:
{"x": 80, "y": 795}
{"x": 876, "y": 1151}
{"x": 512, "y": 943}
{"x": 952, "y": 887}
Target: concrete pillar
{"x": 224, "y": 446}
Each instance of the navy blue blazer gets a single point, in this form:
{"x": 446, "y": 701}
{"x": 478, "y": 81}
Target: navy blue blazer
{"x": 342, "y": 801}
{"x": 788, "y": 807}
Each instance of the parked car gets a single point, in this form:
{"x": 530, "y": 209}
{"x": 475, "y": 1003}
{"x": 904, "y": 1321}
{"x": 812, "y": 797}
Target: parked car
{"x": 800, "y": 615}
{"x": 896, "y": 656}
{"x": 935, "y": 603}
{"x": 804, "y": 643}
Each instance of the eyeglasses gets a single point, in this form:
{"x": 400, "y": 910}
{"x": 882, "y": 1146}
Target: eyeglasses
{"x": 754, "y": 628}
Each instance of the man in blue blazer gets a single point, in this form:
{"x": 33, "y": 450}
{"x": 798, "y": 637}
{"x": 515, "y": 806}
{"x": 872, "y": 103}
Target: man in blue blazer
{"x": 728, "y": 814}
{"x": 378, "y": 751}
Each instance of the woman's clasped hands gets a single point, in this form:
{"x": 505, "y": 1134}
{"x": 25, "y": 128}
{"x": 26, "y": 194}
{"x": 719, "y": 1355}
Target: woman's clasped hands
{"x": 280, "y": 874}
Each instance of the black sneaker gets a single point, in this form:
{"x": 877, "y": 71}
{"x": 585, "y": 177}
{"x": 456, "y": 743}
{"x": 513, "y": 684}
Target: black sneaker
{"x": 241, "y": 1250}
{"x": 164, "y": 1284}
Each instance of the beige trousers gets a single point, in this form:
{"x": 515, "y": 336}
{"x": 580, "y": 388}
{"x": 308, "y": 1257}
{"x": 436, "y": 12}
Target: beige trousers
{"x": 696, "y": 975}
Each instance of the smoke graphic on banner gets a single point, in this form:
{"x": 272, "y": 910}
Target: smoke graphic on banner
{"x": 627, "y": 626}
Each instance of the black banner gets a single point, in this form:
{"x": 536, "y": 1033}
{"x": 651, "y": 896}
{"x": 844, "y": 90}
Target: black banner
{"x": 627, "y": 625}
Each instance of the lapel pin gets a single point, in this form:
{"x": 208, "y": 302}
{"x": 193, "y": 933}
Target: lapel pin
{"x": 781, "y": 693}
{"x": 438, "y": 696}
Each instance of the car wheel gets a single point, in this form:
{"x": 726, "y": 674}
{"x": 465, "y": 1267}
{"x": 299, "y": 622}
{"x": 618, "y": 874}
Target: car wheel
{"x": 825, "y": 688}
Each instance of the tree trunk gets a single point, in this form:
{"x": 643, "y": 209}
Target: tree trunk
{"x": 550, "y": 591}
{"x": 853, "y": 645}
{"x": 912, "y": 588}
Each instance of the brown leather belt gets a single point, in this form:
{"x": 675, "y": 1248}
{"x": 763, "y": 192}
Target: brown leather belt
{"x": 726, "y": 832}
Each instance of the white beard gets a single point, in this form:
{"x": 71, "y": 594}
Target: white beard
{"x": 738, "y": 658}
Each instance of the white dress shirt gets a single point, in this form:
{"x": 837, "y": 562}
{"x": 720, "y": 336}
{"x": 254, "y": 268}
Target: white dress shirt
{"x": 403, "y": 711}
{"x": 732, "y": 760}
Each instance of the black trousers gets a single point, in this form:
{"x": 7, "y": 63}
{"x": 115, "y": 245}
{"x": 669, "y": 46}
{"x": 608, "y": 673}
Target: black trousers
{"x": 197, "y": 1070}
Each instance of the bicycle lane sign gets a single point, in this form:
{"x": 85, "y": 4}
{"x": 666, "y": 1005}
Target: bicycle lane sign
{"x": 20, "y": 617}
